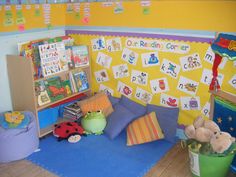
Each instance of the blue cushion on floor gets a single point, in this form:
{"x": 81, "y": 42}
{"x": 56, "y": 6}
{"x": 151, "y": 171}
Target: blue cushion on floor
{"x": 118, "y": 120}
{"x": 167, "y": 118}
{"x": 136, "y": 108}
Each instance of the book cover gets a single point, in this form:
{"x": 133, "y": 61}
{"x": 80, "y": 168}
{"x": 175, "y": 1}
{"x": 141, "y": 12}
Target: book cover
{"x": 81, "y": 81}
{"x": 80, "y": 56}
{"x": 53, "y": 58}
{"x": 69, "y": 57}
{"x": 55, "y": 89}
{"x": 66, "y": 84}
{"x": 73, "y": 107}
{"x": 41, "y": 93}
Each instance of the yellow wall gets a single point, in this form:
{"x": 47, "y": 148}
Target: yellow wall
{"x": 185, "y": 116}
{"x": 216, "y": 16}
{"x": 187, "y": 15}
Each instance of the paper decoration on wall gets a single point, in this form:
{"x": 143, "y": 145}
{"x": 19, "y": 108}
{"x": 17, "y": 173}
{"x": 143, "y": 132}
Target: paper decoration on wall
{"x": 77, "y": 10}
{"x": 210, "y": 56}
{"x": 146, "y": 7}
{"x": 168, "y": 100}
{"x": 124, "y": 89}
{"x": 118, "y": 8}
{"x": 104, "y": 60}
{"x": 101, "y": 76}
{"x": 187, "y": 85}
{"x": 206, "y": 109}
{"x": 19, "y": 15}
{"x": 207, "y": 76}
{"x": 159, "y": 85}
{"x": 28, "y": 7}
{"x": 235, "y": 63}
{"x": 114, "y": 44}
{"x": 233, "y": 81}
{"x": 47, "y": 13}
{"x": 129, "y": 56}
{"x": 139, "y": 77}
{"x": 0, "y": 8}
{"x": 173, "y": 47}
{"x": 143, "y": 95}
{"x": 98, "y": 44}
{"x": 190, "y": 103}
{"x": 190, "y": 62}
{"x": 37, "y": 10}
{"x": 69, "y": 8}
{"x": 120, "y": 71}
{"x": 8, "y": 17}
{"x": 87, "y": 10}
{"x": 106, "y": 89}
{"x": 170, "y": 68}
{"x": 107, "y": 4}
{"x": 150, "y": 59}
{"x": 21, "y": 27}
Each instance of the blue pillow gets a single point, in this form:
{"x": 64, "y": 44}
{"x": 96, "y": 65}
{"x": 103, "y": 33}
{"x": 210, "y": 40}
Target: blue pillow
{"x": 136, "y": 108}
{"x": 118, "y": 120}
{"x": 168, "y": 120}
{"x": 113, "y": 100}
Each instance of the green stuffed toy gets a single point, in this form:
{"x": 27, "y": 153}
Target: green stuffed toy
{"x": 94, "y": 122}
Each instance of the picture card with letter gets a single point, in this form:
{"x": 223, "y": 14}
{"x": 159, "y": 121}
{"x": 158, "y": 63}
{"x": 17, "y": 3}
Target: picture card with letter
{"x": 139, "y": 77}
{"x": 190, "y": 62}
{"x": 120, "y": 71}
{"x": 143, "y": 95}
{"x": 210, "y": 57}
{"x": 190, "y": 103}
{"x": 187, "y": 85}
{"x": 124, "y": 89}
{"x": 114, "y": 44}
{"x": 129, "y": 56}
{"x": 169, "y": 101}
{"x": 104, "y": 60}
{"x": 150, "y": 59}
{"x": 159, "y": 85}
{"x": 206, "y": 109}
{"x": 98, "y": 44}
{"x": 106, "y": 89}
{"x": 207, "y": 77}
{"x": 101, "y": 76}
{"x": 170, "y": 68}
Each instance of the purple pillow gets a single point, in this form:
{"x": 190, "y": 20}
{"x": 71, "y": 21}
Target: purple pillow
{"x": 118, "y": 120}
{"x": 113, "y": 100}
{"x": 136, "y": 108}
{"x": 168, "y": 120}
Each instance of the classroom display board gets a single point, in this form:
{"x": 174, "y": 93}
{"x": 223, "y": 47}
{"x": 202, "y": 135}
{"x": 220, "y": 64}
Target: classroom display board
{"x": 172, "y": 73}
{"x": 180, "y": 15}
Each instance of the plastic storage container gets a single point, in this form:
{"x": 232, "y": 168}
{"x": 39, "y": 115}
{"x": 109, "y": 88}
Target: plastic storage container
{"x": 48, "y": 117}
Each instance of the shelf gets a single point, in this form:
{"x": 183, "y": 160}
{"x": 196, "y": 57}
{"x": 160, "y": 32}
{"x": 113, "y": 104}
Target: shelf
{"x": 62, "y": 73}
{"x": 49, "y": 129}
{"x": 49, "y": 104}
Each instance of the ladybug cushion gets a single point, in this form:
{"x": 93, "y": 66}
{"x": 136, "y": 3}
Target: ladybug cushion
{"x": 68, "y": 130}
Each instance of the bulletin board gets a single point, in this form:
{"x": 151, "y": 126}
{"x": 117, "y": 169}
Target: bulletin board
{"x": 160, "y": 71}
{"x": 19, "y": 18}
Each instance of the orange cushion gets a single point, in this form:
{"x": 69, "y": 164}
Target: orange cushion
{"x": 99, "y": 101}
{"x": 144, "y": 129}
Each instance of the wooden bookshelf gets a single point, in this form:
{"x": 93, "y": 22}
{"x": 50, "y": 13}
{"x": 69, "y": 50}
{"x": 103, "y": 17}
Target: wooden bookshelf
{"x": 22, "y": 87}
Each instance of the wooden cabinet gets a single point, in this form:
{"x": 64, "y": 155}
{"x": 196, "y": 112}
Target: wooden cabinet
{"x": 22, "y": 86}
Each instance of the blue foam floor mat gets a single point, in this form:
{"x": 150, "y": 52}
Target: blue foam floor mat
{"x": 98, "y": 156}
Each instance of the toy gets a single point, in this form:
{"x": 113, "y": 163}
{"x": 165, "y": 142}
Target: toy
{"x": 68, "y": 130}
{"x": 94, "y": 122}
{"x": 221, "y": 141}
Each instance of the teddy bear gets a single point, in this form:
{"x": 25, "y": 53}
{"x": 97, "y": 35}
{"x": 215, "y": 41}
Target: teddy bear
{"x": 221, "y": 141}
{"x": 208, "y": 132}
{"x": 201, "y": 130}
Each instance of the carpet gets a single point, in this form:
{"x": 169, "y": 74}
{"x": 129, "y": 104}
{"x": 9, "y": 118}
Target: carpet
{"x": 98, "y": 156}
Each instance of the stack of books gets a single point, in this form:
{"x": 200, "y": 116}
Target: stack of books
{"x": 72, "y": 111}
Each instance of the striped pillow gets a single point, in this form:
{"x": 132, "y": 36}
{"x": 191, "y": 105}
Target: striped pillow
{"x": 144, "y": 129}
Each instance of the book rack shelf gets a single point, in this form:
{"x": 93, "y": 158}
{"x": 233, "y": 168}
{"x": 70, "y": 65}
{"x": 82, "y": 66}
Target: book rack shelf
{"x": 22, "y": 87}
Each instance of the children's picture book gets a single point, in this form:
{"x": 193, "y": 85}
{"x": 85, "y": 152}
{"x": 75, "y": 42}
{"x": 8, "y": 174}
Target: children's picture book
{"x": 55, "y": 89}
{"x": 66, "y": 84}
{"x": 80, "y": 55}
{"x": 53, "y": 58}
{"x": 81, "y": 81}
{"x": 41, "y": 93}
{"x": 69, "y": 57}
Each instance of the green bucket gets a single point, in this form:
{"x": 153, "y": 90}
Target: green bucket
{"x": 209, "y": 166}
